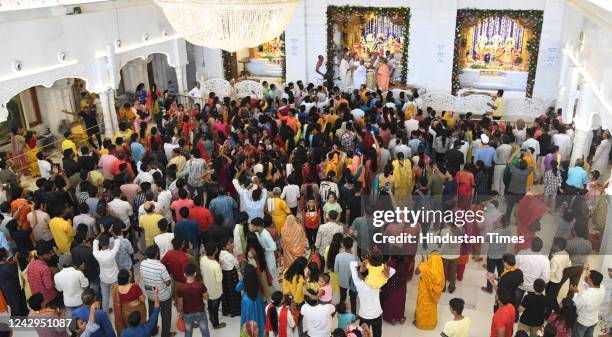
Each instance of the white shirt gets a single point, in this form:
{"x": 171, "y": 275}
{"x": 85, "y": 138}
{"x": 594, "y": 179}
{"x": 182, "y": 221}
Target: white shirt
{"x": 411, "y": 125}
{"x": 143, "y": 177}
{"x": 123, "y": 211}
{"x": 503, "y": 153}
{"x": 195, "y": 92}
{"x": 558, "y": 262}
{"x": 587, "y": 303}
{"x": 106, "y": 260}
{"x": 71, "y": 282}
{"x": 369, "y": 298}
{"x": 564, "y": 142}
{"x": 164, "y": 242}
{"x": 357, "y": 114}
{"x": 227, "y": 260}
{"x": 291, "y": 193}
{"x": 45, "y": 168}
{"x": 84, "y": 219}
{"x": 317, "y": 319}
{"x": 403, "y": 148}
{"x": 534, "y": 266}
{"x": 164, "y": 199}
{"x": 168, "y": 149}
{"x": 531, "y": 142}
{"x": 359, "y": 76}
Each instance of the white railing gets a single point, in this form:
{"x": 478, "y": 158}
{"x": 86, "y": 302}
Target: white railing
{"x": 527, "y": 108}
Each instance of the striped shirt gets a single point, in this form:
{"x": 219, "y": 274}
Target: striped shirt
{"x": 154, "y": 274}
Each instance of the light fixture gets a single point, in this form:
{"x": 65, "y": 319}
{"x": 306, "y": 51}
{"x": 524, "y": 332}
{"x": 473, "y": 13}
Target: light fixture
{"x": 17, "y": 66}
{"x": 228, "y": 24}
{"x": 62, "y": 56}
{"x": 145, "y": 37}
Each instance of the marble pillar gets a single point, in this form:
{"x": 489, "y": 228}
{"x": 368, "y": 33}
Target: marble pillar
{"x": 582, "y": 141}
{"x": 107, "y": 101}
{"x": 181, "y": 79}
{"x": 569, "y": 94}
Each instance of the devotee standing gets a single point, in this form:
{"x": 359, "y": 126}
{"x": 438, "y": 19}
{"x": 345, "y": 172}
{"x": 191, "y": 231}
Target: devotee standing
{"x": 588, "y": 301}
{"x": 155, "y": 276}
{"x": 459, "y": 326}
{"x": 345, "y": 71}
{"x": 602, "y": 154}
{"x": 431, "y": 283}
{"x": 190, "y": 298}
{"x": 359, "y": 74}
{"x": 370, "y": 310}
{"x": 383, "y": 75}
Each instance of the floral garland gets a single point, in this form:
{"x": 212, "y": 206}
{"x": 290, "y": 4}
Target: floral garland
{"x": 531, "y": 19}
{"x": 335, "y": 12}
{"x": 227, "y": 62}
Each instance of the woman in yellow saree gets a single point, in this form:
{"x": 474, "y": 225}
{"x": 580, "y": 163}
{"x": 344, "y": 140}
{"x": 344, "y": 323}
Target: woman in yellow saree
{"x": 431, "y": 283}
{"x": 402, "y": 179}
{"x": 529, "y": 158}
{"x": 31, "y": 151}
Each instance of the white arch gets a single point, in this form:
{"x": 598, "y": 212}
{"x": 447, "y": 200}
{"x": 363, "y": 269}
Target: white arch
{"x": 16, "y": 85}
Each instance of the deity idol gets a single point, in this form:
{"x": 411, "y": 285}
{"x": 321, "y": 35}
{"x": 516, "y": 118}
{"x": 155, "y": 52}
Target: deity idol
{"x": 507, "y": 54}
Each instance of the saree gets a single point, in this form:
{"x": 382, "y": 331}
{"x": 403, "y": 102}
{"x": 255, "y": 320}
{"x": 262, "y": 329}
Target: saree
{"x": 528, "y": 210}
{"x": 382, "y": 77}
{"x": 123, "y": 310}
{"x": 431, "y": 283}
{"x": 294, "y": 240}
{"x": 530, "y": 163}
{"x": 31, "y": 151}
{"x": 402, "y": 179}
{"x": 20, "y": 161}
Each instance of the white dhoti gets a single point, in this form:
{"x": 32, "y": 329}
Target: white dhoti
{"x": 498, "y": 179}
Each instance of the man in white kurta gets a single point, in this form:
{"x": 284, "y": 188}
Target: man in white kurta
{"x": 345, "y": 72}
{"x": 359, "y": 74}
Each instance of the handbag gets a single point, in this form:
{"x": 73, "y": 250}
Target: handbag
{"x": 180, "y": 324}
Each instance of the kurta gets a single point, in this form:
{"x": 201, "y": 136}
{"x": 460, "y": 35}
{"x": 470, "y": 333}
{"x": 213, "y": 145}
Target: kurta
{"x": 431, "y": 284}
{"x": 269, "y": 246}
{"x": 601, "y": 156}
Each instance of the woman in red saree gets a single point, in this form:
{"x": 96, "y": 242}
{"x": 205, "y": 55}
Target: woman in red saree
{"x": 127, "y": 298}
{"x": 528, "y": 212}
{"x": 465, "y": 186}
{"x": 383, "y": 75}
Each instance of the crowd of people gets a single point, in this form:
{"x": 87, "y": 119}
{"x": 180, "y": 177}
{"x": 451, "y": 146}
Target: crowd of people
{"x": 262, "y": 208}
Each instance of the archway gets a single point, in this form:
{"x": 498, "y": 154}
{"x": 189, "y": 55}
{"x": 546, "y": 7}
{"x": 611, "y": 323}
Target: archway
{"x": 155, "y": 68}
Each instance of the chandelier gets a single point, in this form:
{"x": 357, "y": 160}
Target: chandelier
{"x": 228, "y": 24}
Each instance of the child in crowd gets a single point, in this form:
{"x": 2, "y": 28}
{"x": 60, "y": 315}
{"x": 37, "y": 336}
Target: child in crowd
{"x": 376, "y": 275}
{"x": 534, "y": 308}
{"x": 344, "y": 318}
{"x": 324, "y": 295}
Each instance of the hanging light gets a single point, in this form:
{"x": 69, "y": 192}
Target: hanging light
{"x": 228, "y": 24}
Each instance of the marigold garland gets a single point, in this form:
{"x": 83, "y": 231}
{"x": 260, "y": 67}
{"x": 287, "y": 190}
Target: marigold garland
{"x": 335, "y": 11}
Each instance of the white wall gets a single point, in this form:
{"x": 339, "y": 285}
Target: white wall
{"x": 35, "y": 37}
{"x": 432, "y": 34}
